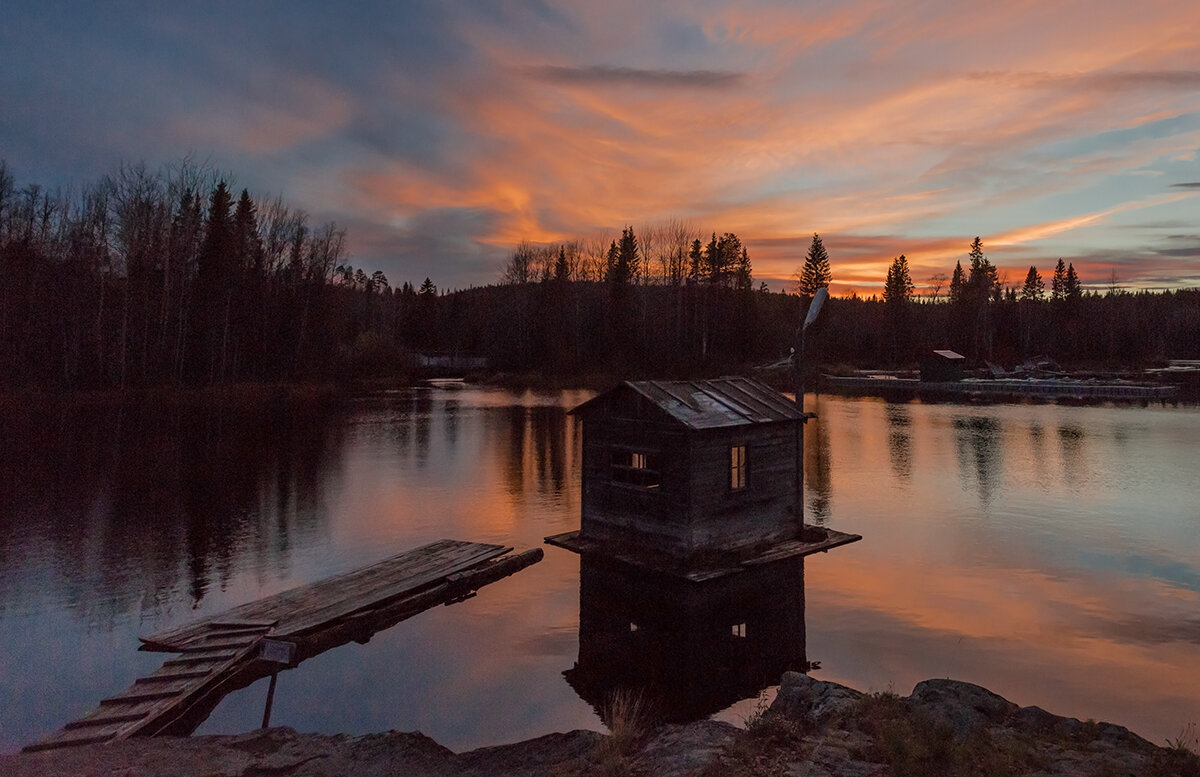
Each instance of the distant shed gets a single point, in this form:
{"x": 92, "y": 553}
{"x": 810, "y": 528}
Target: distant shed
{"x": 942, "y": 366}
{"x": 689, "y": 467}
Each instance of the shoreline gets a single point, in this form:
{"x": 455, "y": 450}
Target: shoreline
{"x": 813, "y": 727}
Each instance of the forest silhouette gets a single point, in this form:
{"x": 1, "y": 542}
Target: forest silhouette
{"x": 166, "y": 278}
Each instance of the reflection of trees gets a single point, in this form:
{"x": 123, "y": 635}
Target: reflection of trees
{"x": 977, "y": 443}
{"x": 516, "y": 433}
{"x": 549, "y": 424}
{"x": 691, "y": 649}
{"x": 450, "y": 412}
{"x": 536, "y": 448}
{"x": 1070, "y": 440}
{"x": 120, "y": 501}
{"x": 818, "y": 475}
{"x": 422, "y": 418}
{"x": 899, "y": 440}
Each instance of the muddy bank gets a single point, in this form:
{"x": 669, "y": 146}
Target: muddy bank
{"x": 812, "y": 728}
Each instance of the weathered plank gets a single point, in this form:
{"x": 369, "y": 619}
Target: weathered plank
{"x": 218, "y": 654}
{"x": 310, "y": 606}
{"x": 150, "y": 703}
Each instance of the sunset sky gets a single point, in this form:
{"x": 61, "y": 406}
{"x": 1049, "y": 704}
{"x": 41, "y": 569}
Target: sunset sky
{"x": 440, "y": 134}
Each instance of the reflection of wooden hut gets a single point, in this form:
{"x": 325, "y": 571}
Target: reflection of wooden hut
{"x": 942, "y": 366}
{"x": 691, "y": 649}
{"x": 693, "y": 475}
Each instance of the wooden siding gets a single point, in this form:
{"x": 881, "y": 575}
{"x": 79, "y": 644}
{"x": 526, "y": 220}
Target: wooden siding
{"x": 693, "y": 508}
{"x": 726, "y": 519}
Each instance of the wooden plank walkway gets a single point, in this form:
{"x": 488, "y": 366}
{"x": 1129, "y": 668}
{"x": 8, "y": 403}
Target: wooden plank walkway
{"x": 297, "y": 610}
{"x": 220, "y": 654}
{"x": 152, "y": 702}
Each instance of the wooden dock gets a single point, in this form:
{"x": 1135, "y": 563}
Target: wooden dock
{"x": 225, "y": 652}
{"x": 816, "y": 539}
{"x": 1000, "y": 389}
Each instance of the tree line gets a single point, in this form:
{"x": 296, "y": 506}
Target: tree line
{"x": 989, "y": 321}
{"x": 160, "y": 277}
{"x": 167, "y": 277}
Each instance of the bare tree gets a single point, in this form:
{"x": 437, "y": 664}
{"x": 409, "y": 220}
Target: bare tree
{"x": 936, "y": 283}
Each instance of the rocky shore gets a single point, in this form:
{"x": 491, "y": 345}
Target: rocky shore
{"x": 813, "y": 728}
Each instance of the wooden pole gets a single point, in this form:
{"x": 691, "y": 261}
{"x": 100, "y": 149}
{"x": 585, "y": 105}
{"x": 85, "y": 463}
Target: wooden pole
{"x": 814, "y": 308}
{"x": 270, "y": 699}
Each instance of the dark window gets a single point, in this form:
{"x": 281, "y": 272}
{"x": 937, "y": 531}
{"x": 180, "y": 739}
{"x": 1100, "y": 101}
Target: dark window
{"x": 635, "y": 468}
{"x": 738, "y": 468}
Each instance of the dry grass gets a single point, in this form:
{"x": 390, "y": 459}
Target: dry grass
{"x": 629, "y": 717}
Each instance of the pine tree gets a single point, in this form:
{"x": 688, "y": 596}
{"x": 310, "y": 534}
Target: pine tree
{"x": 428, "y": 289}
{"x": 816, "y": 273}
{"x": 1034, "y": 288}
{"x": 562, "y": 270}
{"x": 1072, "y": 288}
{"x": 742, "y": 276}
{"x": 213, "y": 288}
{"x": 1058, "y": 284}
{"x": 695, "y": 260}
{"x": 983, "y": 283}
{"x": 957, "y": 283}
{"x": 623, "y": 260}
{"x": 898, "y": 286}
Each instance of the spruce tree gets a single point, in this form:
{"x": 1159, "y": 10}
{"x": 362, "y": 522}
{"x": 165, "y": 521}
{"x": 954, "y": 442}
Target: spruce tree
{"x": 816, "y": 273}
{"x": 1058, "y": 284}
{"x": 695, "y": 260}
{"x": 898, "y": 286}
{"x": 1072, "y": 288}
{"x": 983, "y": 283}
{"x": 742, "y": 276}
{"x": 1034, "y": 288}
{"x": 957, "y": 283}
{"x": 562, "y": 270}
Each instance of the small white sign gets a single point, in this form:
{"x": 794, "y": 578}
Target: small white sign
{"x": 277, "y": 651}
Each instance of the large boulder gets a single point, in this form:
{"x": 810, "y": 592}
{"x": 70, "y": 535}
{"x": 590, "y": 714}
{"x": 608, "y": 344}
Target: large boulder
{"x": 964, "y": 707}
{"x": 804, "y": 699}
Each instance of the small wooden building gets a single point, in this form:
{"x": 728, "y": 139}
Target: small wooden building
{"x": 942, "y": 366}
{"x": 688, "y": 467}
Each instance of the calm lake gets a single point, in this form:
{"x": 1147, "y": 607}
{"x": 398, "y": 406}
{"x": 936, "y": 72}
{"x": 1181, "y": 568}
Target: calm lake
{"x": 1050, "y": 553}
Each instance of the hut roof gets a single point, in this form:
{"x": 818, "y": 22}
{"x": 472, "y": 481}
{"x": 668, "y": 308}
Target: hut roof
{"x": 708, "y": 404}
{"x": 946, "y": 354}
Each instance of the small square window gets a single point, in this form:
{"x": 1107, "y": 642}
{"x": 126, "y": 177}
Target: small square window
{"x": 738, "y": 469}
{"x": 635, "y": 468}
{"x": 738, "y": 630}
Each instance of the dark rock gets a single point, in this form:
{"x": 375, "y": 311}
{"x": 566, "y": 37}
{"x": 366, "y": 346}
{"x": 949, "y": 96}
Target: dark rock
{"x": 684, "y": 749}
{"x": 280, "y": 751}
{"x": 1036, "y": 722}
{"x": 803, "y": 699}
{"x": 964, "y": 707}
{"x": 531, "y": 757}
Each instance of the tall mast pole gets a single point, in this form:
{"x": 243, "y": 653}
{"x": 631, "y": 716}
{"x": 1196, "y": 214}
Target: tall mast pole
{"x": 814, "y": 308}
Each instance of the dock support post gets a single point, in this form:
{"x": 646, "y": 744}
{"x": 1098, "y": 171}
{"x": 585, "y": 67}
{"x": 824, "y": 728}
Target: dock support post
{"x": 270, "y": 700}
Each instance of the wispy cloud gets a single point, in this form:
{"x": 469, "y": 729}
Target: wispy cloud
{"x": 447, "y": 132}
{"x": 608, "y": 75}
{"x": 1118, "y": 81}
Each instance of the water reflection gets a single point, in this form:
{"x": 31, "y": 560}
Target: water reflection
{"x": 1071, "y": 444}
{"x": 110, "y": 498}
{"x": 818, "y": 477}
{"x": 1063, "y": 572}
{"x": 899, "y": 440}
{"x": 977, "y": 441}
{"x": 690, "y": 649}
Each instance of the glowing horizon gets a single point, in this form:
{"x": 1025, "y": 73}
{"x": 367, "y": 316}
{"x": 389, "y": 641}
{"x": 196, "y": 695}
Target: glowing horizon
{"x": 441, "y": 135}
